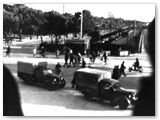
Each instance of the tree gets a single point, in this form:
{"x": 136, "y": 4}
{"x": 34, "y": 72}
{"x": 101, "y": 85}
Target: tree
{"x": 76, "y": 23}
{"x": 18, "y": 13}
{"x": 88, "y": 22}
{"x": 9, "y": 22}
{"x": 95, "y": 36}
{"x": 69, "y": 24}
{"x": 55, "y": 24}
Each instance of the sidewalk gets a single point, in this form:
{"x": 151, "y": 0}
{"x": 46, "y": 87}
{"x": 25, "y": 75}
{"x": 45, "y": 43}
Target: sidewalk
{"x": 28, "y": 40}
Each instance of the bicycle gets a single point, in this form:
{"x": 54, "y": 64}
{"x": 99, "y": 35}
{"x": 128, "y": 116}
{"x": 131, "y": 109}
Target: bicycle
{"x": 40, "y": 54}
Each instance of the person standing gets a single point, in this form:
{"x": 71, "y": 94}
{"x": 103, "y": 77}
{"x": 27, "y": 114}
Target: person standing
{"x": 34, "y": 51}
{"x": 83, "y": 63}
{"x": 79, "y": 57}
{"x": 122, "y": 69}
{"x": 116, "y": 72}
{"x": 101, "y": 56}
{"x": 43, "y": 51}
{"x": 8, "y": 51}
{"x": 71, "y": 58}
{"x": 136, "y": 64}
{"x": 58, "y": 69}
{"x": 73, "y": 82}
{"x": 76, "y": 59}
{"x": 105, "y": 57}
{"x": 57, "y": 53}
{"x": 94, "y": 56}
{"x": 66, "y": 57}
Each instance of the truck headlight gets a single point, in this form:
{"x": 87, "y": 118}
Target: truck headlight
{"x": 54, "y": 79}
{"x": 130, "y": 96}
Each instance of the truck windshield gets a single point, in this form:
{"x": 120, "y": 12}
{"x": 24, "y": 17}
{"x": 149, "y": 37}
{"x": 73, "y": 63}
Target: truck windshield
{"x": 116, "y": 85}
{"x": 47, "y": 72}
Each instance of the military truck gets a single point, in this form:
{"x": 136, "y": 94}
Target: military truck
{"x": 94, "y": 83}
{"x": 39, "y": 74}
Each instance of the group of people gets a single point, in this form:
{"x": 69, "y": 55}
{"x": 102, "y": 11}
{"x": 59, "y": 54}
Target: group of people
{"x": 117, "y": 72}
{"x": 73, "y": 58}
{"x": 42, "y": 51}
{"x": 102, "y": 54}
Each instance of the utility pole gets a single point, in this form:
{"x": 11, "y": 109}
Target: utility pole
{"x": 81, "y": 29}
{"x": 63, "y": 8}
{"x": 135, "y": 26}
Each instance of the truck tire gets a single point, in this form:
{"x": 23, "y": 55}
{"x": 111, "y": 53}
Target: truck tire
{"x": 87, "y": 96}
{"x": 123, "y": 103}
{"x": 27, "y": 79}
{"x": 49, "y": 86}
{"x": 62, "y": 84}
{"x": 77, "y": 87}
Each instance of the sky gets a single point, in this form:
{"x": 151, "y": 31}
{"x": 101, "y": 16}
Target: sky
{"x": 142, "y": 12}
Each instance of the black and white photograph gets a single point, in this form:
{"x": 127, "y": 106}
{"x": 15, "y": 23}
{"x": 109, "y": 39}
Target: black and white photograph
{"x": 79, "y": 59}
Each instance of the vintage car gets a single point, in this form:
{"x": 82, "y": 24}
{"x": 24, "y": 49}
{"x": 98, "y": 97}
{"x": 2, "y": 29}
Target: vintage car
{"x": 94, "y": 83}
{"x": 39, "y": 74}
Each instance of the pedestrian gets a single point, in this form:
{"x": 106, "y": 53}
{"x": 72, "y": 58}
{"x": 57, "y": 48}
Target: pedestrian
{"x": 72, "y": 57}
{"x": 101, "y": 56}
{"x": 43, "y": 51}
{"x": 8, "y": 51}
{"x": 136, "y": 64}
{"x": 76, "y": 59}
{"x": 79, "y": 57}
{"x": 66, "y": 57}
{"x": 83, "y": 63}
{"x": 94, "y": 56}
{"x": 105, "y": 57}
{"x": 58, "y": 69}
{"x": 122, "y": 69}
{"x": 34, "y": 51}
{"x": 73, "y": 82}
{"x": 116, "y": 72}
{"x": 57, "y": 53}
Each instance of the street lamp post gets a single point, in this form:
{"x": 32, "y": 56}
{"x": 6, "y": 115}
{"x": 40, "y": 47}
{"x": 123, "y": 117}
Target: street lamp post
{"x": 81, "y": 28}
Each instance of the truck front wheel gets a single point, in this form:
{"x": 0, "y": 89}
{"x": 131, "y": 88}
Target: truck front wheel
{"x": 123, "y": 103}
{"x": 87, "y": 96}
{"x": 27, "y": 79}
{"x": 49, "y": 86}
{"x": 63, "y": 84}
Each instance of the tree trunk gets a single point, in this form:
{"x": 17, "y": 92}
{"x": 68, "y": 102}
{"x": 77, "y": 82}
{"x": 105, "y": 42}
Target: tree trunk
{"x": 20, "y": 37}
{"x": 51, "y": 39}
{"x": 75, "y": 34}
{"x": 30, "y": 37}
{"x": 56, "y": 40}
{"x": 41, "y": 39}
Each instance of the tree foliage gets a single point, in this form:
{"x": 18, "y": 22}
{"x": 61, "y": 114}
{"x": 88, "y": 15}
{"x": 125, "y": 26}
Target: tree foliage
{"x": 21, "y": 19}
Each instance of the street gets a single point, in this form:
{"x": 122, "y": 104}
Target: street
{"x": 37, "y": 101}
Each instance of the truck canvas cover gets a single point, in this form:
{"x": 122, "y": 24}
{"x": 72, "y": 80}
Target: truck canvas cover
{"x": 29, "y": 67}
{"x": 87, "y": 77}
